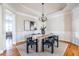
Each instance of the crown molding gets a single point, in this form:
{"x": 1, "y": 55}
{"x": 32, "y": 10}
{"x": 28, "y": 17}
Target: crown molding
{"x": 30, "y": 9}
{"x": 17, "y": 12}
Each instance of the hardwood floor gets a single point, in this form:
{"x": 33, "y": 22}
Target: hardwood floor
{"x": 11, "y": 52}
{"x": 72, "y": 50}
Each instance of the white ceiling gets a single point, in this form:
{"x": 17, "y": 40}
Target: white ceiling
{"x": 48, "y": 7}
{"x": 35, "y": 9}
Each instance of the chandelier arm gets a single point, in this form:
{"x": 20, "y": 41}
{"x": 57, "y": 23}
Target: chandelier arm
{"x": 42, "y": 9}
{"x": 43, "y": 18}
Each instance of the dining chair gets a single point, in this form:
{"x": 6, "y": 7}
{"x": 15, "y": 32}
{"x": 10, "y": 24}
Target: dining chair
{"x": 49, "y": 43}
{"x": 56, "y": 39}
{"x": 31, "y": 42}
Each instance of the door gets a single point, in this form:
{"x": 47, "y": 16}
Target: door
{"x": 10, "y": 28}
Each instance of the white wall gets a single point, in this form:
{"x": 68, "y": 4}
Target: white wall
{"x": 2, "y": 40}
{"x": 75, "y": 25}
{"x": 20, "y": 17}
{"x": 20, "y": 33}
{"x": 55, "y": 24}
{"x": 60, "y": 23}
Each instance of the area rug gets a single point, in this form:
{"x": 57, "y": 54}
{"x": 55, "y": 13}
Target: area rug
{"x": 57, "y": 51}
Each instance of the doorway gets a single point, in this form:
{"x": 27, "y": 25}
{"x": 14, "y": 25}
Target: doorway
{"x": 9, "y": 29}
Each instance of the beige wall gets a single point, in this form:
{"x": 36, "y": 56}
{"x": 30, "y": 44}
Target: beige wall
{"x": 75, "y": 25}
{"x": 71, "y": 22}
{"x": 68, "y": 25}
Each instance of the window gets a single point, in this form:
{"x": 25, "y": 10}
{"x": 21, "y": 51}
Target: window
{"x": 9, "y": 21}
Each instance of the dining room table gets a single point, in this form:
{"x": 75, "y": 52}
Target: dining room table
{"x": 40, "y": 37}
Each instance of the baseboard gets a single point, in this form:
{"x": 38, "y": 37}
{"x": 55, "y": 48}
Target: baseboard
{"x": 20, "y": 42}
{"x": 64, "y": 41}
{"x": 68, "y": 42}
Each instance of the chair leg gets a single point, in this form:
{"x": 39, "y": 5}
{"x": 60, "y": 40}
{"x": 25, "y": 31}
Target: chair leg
{"x": 31, "y": 46}
{"x": 27, "y": 48}
{"x": 57, "y": 43}
{"x": 52, "y": 48}
{"x": 36, "y": 45}
{"x": 48, "y": 46}
{"x": 43, "y": 45}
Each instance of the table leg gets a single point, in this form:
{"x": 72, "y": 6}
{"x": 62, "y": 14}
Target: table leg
{"x": 42, "y": 45}
{"x": 36, "y": 45}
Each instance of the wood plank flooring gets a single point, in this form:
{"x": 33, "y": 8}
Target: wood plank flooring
{"x": 11, "y": 52}
{"x": 72, "y": 50}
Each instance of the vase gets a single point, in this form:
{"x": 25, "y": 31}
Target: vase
{"x": 43, "y": 31}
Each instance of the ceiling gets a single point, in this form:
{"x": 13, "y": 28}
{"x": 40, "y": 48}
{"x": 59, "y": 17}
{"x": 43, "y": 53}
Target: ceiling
{"x": 35, "y": 9}
{"x": 48, "y": 7}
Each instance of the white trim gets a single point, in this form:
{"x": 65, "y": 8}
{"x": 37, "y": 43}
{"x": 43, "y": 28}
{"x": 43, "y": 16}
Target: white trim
{"x": 29, "y": 9}
{"x": 59, "y": 13}
{"x": 23, "y": 14}
{"x": 20, "y": 13}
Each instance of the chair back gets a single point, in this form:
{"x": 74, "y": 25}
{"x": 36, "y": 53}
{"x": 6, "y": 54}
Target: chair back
{"x": 55, "y": 36}
{"x": 50, "y": 38}
{"x": 29, "y": 39}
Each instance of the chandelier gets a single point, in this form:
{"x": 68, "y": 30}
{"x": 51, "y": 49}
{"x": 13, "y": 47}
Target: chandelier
{"x": 43, "y": 18}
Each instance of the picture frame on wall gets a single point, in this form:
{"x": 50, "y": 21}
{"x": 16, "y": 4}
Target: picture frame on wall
{"x": 26, "y": 25}
{"x": 29, "y": 25}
